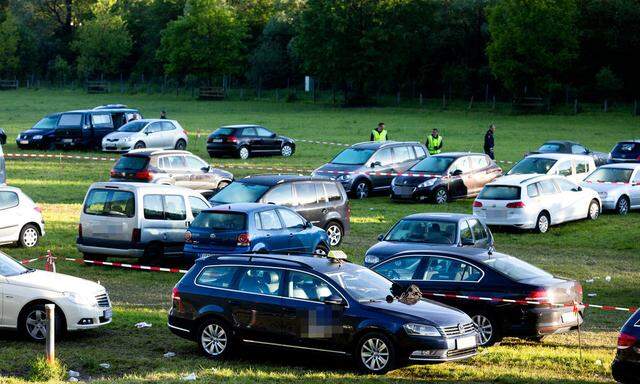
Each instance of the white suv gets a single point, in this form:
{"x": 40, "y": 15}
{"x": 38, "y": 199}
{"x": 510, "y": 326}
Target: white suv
{"x": 535, "y": 202}
{"x": 20, "y": 218}
{"x": 80, "y": 304}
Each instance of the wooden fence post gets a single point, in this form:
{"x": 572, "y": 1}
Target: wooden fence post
{"x": 444, "y": 100}
{"x": 51, "y": 333}
{"x": 606, "y": 105}
{"x": 635, "y": 107}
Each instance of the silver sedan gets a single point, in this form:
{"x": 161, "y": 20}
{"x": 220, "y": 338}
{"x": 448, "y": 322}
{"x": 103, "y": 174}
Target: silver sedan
{"x": 618, "y": 186}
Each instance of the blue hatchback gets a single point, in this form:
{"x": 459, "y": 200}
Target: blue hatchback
{"x": 252, "y": 228}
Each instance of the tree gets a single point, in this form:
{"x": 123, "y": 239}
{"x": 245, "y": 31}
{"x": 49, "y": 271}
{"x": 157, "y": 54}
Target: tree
{"x": 607, "y": 83}
{"x": 9, "y": 40}
{"x": 102, "y": 43}
{"x": 533, "y": 43}
{"x": 205, "y": 41}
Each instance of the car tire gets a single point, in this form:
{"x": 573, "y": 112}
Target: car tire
{"x": 244, "y": 153}
{"x": 181, "y": 145}
{"x": 543, "y": 222}
{"x": 594, "y": 210}
{"x": 441, "y": 196}
{"x": 361, "y": 189}
{"x": 622, "y": 206}
{"x": 335, "y": 232}
{"x": 488, "y": 328}
{"x": 32, "y": 322}
{"x": 375, "y": 353}
{"x": 287, "y": 150}
{"x": 139, "y": 145}
{"x": 321, "y": 250}
{"x": 29, "y": 236}
{"x": 215, "y": 338}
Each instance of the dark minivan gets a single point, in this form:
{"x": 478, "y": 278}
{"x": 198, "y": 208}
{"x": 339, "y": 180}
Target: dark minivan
{"x": 322, "y": 201}
{"x": 248, "y": 140}
{"x": 627, "y": 151}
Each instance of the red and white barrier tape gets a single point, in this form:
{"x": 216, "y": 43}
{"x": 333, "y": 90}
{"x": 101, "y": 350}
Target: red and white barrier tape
{"x": 323, "y": 142}
{"x": 128, "y": 266}
{"x": 611, "y": 182}
{"x": 375, "y": 173}
{"x": 58, "y": 156}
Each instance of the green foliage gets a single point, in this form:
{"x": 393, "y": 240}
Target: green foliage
{"x": 9, "y": 41}
{"x": 533, "y": 43}
{"x": 607, "y": 82}
{"x": 41, "y": 370}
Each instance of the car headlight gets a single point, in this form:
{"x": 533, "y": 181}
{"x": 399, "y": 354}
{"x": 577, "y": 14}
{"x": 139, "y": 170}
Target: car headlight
{"x": 344, "y": 177}
{"x": 37, "y": 137}
{"x": 427, "y": 183}
{"x": 81, "y": 299}
{"x": 421, "y": 330}
{"x": 371, "y": 259}
{"x": 603, "y": 195}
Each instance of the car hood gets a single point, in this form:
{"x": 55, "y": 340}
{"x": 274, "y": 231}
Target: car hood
{"x": 119, "y": 135}
{"x": 424, "y": 311}
{"x": 386, "y": 249}
{"x": 412, "y": 181}
{"x": 337, "y": 167}
{"x": 604, "y": 187}
{"x": 37, "y": 131}
{"x": 56, "y": 282}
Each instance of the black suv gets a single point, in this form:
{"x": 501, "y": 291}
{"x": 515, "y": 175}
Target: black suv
{"x": 248, "y": 140}
{"x": 314, "y": 304}
{"x": 322, "y": 201}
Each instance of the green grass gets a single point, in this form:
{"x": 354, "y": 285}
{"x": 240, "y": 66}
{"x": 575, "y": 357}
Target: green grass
{"x": 580, "y": 250}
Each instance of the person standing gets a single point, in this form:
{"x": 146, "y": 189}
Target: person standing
{"x": 488, "y": 141}
{"x": 434, "y": 142}
{"x": 379, "y": 133}
{"x": 163, "y": 114}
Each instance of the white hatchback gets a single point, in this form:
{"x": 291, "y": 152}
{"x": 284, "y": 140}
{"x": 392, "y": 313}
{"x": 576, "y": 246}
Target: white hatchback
{"x": 80, "y": 304}
{"x": 535, "y": 202}
{"x": 574, "y": 167}
{"x": 20, "y": 218}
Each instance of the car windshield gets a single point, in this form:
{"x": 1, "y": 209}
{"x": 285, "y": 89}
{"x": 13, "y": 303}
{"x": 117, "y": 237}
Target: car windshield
{"x": 549, "y": 148}
{"x": 499, "y": 192}
{"x": 223, "y": 131}
{"x": 435, "y": 164}
{"x": 225, "y": 221}
{"x": 362, "y": 283}
{"x": 10, "y": 267}
{"x": 134, "y": 126}
{"x": 423, "y": 231}
{"x": 353, "y": 156}
{"x": 238, "y": 192}
{"x": 532, "y": 165}
{"x": 48, "y": 122}
{"x": 612, "y": 175}
{"x": 516, "y": 268}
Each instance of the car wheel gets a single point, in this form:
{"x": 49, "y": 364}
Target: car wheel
{"x": 441, "y": 196}
{"x": 139, "y": 145}
{"x": 287, "y": 150}
{"x": 321, "y": 250}
{"x": 29, "y": 236}
{"x": 362, "y": 189}
{"x": 181, "y": 145}
{"x": 335, "y": 233}
{"x": 594, "y": 210}
{"x": 542, "y": 222}
{"x": 243, "y": 153}
{"x": 33, "y": 322}
{"x": 214, "y": 339}
{"x": 375, "y": 353}
{"x": 622, "y": 206}
{"x": 487, "y": 329}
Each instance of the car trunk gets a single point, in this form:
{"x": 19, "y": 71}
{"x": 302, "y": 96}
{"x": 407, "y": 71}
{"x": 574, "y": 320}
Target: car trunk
{"x": 496, "y": 201}
{"x": 556, "y": 290}
{"x": 223, "y": 136}
{"x": 131, "y": 168}
{"x": 218, "y": 229}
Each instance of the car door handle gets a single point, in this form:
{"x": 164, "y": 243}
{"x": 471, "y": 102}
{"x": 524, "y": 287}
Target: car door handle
{"x": 233, "y": 302}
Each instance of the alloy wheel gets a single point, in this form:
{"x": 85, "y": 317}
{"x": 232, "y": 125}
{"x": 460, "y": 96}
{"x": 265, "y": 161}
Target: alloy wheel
{"x": 594, "y": 211}
{"x": 623, "y": 206}
{"x": 36, "y": 324}
{"x": 287, "y": 151}
{"x": 335, "y": 234}
{"x": 214, "y": 339}
{"x": 362, "y": 190}
{"x": 30, "y": 237}
{"x": 374, "y": 354}
{"x": 181, "y": 144}
{"x": 441, "y": 196}
{"x": 543, "y": 224}
{"x": 485, "y": 329}
{"x": 244, "y": 153}
{"x": 139, "y": 145}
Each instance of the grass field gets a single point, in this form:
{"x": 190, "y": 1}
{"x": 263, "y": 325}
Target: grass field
{"x": 580, "y": 250}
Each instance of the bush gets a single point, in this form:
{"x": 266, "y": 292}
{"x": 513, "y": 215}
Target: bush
{"x": 42, "y": 371}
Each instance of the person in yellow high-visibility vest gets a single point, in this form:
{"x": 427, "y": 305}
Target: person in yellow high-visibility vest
{"x": 434, "y": 142}
{"x": 379, "y": 133}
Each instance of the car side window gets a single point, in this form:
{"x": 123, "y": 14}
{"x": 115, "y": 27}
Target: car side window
{"x": 280, "y": 195}
{"x": 153, "y": 208}
{"x": 306, "y": 193}
{"x": 401, "y": 154}
{"x": 461, "y": 164}
{"x": 582, "y": 166}
{"x": 332, "y": 192}
{"x": 304, "y": 286}
{"x": 578, "y": 149}
{"x": 420, "y": 152}
{"x": 194, "y": 163}
{"x": 466, "y": 236}
{"x": 321, "y": 194}
{"x": 216, "y": 277}
{"x": 383, "y": 157}
{"x": 564, "y": 168}
{"x": 565, "y": 185}
{"x": 168, "y": 126}
{"x": 249, "y": 132}
{"x": 479, "y": 233}
{"x": 401, "y": 268}
{"x": 547, "y": 187}
{"x": 636, "y": 179}
{"x": 197, "y": 205}
{"x": 479, "y": 162}
{"x": 175, "y": 208}
{"x": 265, "y": 281}
{"x": 445, "y": 269}
{"x": 291, "y": 219}
{"x": 269, "y": 220}
{"x": 532, "y": 190}
{"x": 177, "y": 162}
{"x": 8, "y": 200}
{"x": 263, "y": 132}
{"x": 101, "y": 121}
{"x": 153, "y": 128}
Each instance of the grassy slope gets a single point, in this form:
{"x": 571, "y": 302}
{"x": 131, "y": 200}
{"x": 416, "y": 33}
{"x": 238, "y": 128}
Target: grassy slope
{"x": 579, "y": 250}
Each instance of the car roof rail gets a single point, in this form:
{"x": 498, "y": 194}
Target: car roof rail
{"x": 252, "y": 257}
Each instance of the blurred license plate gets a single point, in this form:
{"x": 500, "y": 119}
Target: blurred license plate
{"x": 466, "y": 342}
{"x": 217, "y": 140}
{"x": 67, "y": 140}
{"x": 24, "y": 141}
{"x": 108, "y": 313}
{"x": 569, "y": 317}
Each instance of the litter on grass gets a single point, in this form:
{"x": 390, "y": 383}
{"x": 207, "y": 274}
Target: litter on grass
{"x": 189, "y": 377}
{"x": 169, "y": 354}
{"x": 143, "y": 324}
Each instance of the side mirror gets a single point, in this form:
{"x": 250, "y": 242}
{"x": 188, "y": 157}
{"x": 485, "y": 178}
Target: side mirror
{"x": 576, "y": 189}
{"x": 206, "y": 169}
{"x": 375, "y": 164}
{"x": 334, "y": 300}
{"x": 273, "y": 135}
{"x": 457, "y": 172}
{"x": 308, "y": 224}
{"x": 380, "y": 237}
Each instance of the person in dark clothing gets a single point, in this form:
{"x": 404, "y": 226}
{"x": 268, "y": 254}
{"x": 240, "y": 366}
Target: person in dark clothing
{"x": 163, "y": 114}
{"x": 488, "y": 141}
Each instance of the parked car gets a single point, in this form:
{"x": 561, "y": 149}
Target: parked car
{"x": 422, "y": 230}
{"x": 627, "y": 151}
{"x": 84, "y": 129}
{"x": 313, "y": 304}
{"x": 451, "y": 175}
{"x": 80, "y": 304}
{"x": 477, "y": 272}
{"x": 573, "y": 167}
{"x": 41, "y": 136}
{"x": 321, "y": 201}
{"x": 136, "y": 220}
{"x": 618, "y": 186}
{"x": 564, "y": 146}
{"x": 21, "y": 218}
{"x": 252, "y": 228}
{"x": 535, "y": 202}
{"x": 170, "y": 167}
{"x": 3, "y": 168}
{"x": 626, "y": 365}
{"x": 358, "y": 167}
{"x": 248, "y": 140}
{"x": 146, "y": 133}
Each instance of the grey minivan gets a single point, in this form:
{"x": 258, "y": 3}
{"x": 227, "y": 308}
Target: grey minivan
{"x": 370, "y": 166}
{"x": 136, "y": 220}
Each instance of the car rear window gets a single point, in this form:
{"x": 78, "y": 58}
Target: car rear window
{"x": 516, "y": 268}
{"x": 499, "y": 192}
{"x": 131, "y": 162}
{"x": 106, "y": 202}
{"x": 226, "y": 221}
{"x": 626, "y": 149}
{"x": 549, "y": 148}
{"x": 223, "y": 131}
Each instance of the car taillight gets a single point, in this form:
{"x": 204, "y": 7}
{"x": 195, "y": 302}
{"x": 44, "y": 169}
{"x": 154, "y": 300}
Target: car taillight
{"x": 143, "y": 175}
{"x": 516, "y": 204}
{"x": 113, "y": 173}
{"x": 135, "y": 235}
{"x": 209, "y": 139}
{"x": 626, "y": 340}
{"x": 243, "y": 240}
{"x": 187, "y": 237}
{"x": 175, "y": 294}
{"x": 538, "y": 295}
{"x": 477, "y": 204}
{"x": 37, "y": 209}
{"x": 638, "y": 158}
{"x": 232, "y": 139}
{"x": 80, "y": 230}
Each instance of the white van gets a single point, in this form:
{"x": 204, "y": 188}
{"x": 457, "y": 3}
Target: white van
{"x": 136, "y": 220}
{"x": 574, "y": 167}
